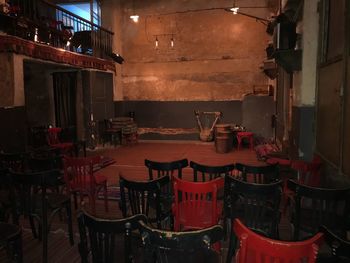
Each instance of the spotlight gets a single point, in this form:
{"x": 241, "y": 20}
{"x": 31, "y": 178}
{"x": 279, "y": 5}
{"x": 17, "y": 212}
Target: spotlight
{"x": 117, "y": 58}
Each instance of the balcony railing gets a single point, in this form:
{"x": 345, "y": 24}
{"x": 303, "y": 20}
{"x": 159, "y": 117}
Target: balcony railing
{"x": 44, "y": 22}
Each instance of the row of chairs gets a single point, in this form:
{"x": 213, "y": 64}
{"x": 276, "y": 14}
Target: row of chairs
{"x": 197, "y": 245}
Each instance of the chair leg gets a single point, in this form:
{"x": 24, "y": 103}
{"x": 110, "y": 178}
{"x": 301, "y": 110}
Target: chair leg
{"x": 32, "y": 226}
{"x": 231, "y": 248}
{"x": 106, "y": 197}
{"x": 69, "y": 222}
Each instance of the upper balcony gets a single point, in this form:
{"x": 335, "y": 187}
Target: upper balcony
{"x": 52, "y": 29}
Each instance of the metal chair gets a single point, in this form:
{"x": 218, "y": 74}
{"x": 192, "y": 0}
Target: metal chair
{"x": 173, "y": 247}
{"x": 99, "y": 238}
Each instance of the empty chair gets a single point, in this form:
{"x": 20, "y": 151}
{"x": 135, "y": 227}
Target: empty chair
{"x": 144, "y": 197}
{"x": 313, "y": 207}
{"x": 340, "y": 248}
{"x": 257, "y": 174}
{"x": 99, "y": 238}
{"x": 80, "y": 179}
{"x": 257, "y": 248}
{"x": 196, "y": 204}
{"x": 207, "y": 173}
{"x": 55, "y": 142}
{"x": 173, "y": 247}
{"x": 245, "y": 135}
{"x": 257, "y": 205}
{"x": 42, "y": 205}
{"x": 158, "y": 169}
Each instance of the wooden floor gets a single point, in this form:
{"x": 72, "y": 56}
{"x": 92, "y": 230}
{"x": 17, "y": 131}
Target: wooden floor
{"x": 129, "y": 163}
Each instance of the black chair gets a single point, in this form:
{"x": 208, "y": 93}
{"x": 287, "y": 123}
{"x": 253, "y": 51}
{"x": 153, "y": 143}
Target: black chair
{"x": 340, "y": 248}
{"x": 313, "y": 207}
{"x": 39, "y": 204}
{"x": 258, "y": 174}
{"x": 257, "y": 205}
{"x": 13, "y": 161}
{"x": 207, "y": 173}
{"x": 111, "y": 134}
{"x": 11, "y": 241}
{"x": 190, "y": 246}
{"x": 99, "y": 238}
{"x": 145, "y": 198}
{"x": 159, "y": 169}
{"x": 7, "y": 197}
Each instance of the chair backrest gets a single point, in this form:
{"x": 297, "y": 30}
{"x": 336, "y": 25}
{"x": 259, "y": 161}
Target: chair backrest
{"x": 189, "y": 246}
{"x": 142, "y": 197}
{"x": 99, "y": 236}
{"x": 207, "y": 173}
{"x": 257, "y": 205}
{"x": 27, "y": 181}
{"x": 78, "y": 172}
{"x": 308, "y": 173}
{"x": 257, "y": 174}
{"x": 260, "y": 249}
{"x": 192, "y": 201}
{"x": 319, "y": 206}
{"x": 13, "y": 161}
{"x": 53, "y": 135}
{"x": 340, "y": 248}
{"x": 159, "y": 169}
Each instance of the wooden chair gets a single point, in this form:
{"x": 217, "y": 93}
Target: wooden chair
{"x": 208, "y": 173}
{"x": 80, "y": 179}
{"x": 11, "y": 241}
{"x": 257, "y": 248}
{"x": 144, "y": 198}
{"x": 313, "y": 207}
{"x": 110, "y": 134}
{"x": 195, "y": 204}
{"x": 55, "y": 142}
{"x": 99, "y": 238}
{"x": 43, "y": 205}
{"x": 14, "y": 161}
{"x": 159, "y": 169}
{"x": 173, "y": 247}
{"x": 257, "y": 174}
{"x": 340, "y": 248}
{"x": 257, "y": 205}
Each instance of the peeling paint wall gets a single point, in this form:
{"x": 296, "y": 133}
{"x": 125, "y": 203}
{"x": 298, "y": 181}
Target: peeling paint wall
{"x": 216, "y": 55}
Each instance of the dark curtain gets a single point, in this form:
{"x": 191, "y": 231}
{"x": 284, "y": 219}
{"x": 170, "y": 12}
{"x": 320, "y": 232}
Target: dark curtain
{"x": 65, "y": 85}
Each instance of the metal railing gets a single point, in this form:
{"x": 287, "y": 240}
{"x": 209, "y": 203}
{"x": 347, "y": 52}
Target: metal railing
{"x": 47, "y": 23}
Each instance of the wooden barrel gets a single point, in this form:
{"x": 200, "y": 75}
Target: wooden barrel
{"x": 222, "y": 144}
{"x": 227, "y": 134}
{"x": 221, "y": 127}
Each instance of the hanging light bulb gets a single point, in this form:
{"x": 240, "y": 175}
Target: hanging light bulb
{"x": 235, "y": 8}
{"x": 135, "y": 18}
{"x": 157, "y": 42}
{"x": 172, "y": 42}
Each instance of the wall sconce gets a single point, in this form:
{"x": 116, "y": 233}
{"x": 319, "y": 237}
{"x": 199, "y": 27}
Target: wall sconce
{"x": 166, "y": 37}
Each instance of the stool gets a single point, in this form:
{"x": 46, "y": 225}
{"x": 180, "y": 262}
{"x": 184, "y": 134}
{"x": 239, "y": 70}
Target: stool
{"x": 248, "y": 135}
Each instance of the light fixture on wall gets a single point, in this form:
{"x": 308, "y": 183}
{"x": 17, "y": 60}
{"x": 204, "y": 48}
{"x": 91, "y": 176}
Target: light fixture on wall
{"x": 134, "y": 17}
{"x": 166, "y": 38}
{"x": 156, "y": 42}
{"x": 235, "y": 8}
{"x": 172, "y": 41}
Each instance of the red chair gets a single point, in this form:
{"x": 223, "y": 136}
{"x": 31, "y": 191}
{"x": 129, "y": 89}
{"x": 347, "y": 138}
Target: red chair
{"x": 54, "y": 141}
{"x": 196, "y": 205}
{"x": 259, "y": 249}
{"x": 248, "y": 135}
{"x": 80, "y": 179}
